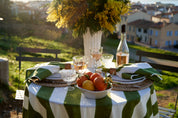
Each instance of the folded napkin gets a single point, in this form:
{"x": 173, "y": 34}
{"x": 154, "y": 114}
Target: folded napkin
{"x": 45, "y": 71}
{"x": 138, "y": 70}
{"x": 42, "y": 71}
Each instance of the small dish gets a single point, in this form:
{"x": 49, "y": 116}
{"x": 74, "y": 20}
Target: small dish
{"x": 94, "y": 94}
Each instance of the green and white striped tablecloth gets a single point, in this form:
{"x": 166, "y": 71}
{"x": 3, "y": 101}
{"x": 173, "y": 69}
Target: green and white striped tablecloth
{"x": 48, "y": 102}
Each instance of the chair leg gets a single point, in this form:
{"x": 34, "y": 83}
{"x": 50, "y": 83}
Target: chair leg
{"x": 18, "y": 107}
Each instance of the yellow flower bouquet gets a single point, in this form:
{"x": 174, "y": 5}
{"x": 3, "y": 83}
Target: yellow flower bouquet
{"x": 78, "y": 15}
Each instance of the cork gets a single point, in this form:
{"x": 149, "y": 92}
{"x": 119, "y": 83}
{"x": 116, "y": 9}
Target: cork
{"x": 123, "y": 28}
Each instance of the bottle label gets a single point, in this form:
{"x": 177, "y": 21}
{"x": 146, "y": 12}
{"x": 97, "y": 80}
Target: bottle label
{"x": 122, "y": 58}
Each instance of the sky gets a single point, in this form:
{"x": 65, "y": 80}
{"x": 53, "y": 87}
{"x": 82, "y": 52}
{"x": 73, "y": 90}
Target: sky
{"x": 153, "y": 1}
{"x": 29, "y": 0}
{"x": 142, "y": 1}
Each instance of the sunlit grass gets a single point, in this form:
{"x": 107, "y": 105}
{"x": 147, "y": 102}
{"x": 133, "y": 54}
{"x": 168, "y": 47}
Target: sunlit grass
{"x": 113, "y": 44}
{"x": 8, "y": 50}
{"x": 170, "y": 80}
{"x": 154, "y": 50}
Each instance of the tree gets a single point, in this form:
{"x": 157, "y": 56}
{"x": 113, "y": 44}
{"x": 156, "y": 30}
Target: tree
{"x": 5, "y": 12}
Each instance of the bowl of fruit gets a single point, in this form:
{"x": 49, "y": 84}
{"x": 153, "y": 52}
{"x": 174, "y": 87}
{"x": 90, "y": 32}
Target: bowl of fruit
{"x": 93, "y": 85}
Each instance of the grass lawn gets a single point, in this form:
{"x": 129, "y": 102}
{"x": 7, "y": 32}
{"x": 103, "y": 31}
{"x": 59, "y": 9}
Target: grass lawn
{"x": 8, "y": 50}
{"x": 8, "y": 47}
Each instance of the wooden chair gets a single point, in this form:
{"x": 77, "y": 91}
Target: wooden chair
{"x": 164, "y": 112}
{"x": 158, "y": 56}
{"x": 32, "y": 51}
{"x": 168, "y": 113}
{"x": 35, "y": 51}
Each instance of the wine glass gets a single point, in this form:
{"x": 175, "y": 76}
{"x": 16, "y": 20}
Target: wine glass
{"x": 107, "y": 60}
{"x": 80, "y": 63}
{"x": 96, "y": 55}
{"x": 68, "y": 76}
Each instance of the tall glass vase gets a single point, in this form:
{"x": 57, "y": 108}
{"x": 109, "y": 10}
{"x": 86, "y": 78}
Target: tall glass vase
{"x": 91, "y": 42}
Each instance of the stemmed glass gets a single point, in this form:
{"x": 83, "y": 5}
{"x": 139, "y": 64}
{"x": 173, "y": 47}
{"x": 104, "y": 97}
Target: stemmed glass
{"x": 69, "y": 76}
{"x": 96, "y": 55}
{"x": 80, "y": 63}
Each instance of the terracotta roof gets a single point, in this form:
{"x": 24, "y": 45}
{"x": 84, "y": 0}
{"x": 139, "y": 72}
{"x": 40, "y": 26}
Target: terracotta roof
{"x": 136, "y": 6}
{"x": 175, "y": 12}
{"x": 158, "y": 25}
{"x": 133, "y": 12}
{"x": 148, "y": 24}
{"x": 141, "y": 23}
{"x": 150, "y": 8}
{"x": 160, "y": 7}
{"x": 175, "y": 8}
{"x": 158, "y": 16}
{"x": 144, "y": 11}
{"x": 166, "y": 14}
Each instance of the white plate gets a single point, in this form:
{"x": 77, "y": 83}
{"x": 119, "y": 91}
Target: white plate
{"x": 116, "y": 78}
{"x": 55, "y": 76}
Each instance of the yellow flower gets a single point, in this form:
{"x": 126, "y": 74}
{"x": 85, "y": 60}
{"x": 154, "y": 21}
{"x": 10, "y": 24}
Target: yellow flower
{"x": 78, "y": 15}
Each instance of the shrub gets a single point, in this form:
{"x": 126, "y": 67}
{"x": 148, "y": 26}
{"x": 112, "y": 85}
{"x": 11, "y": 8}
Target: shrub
{"x": 113, "y": 36}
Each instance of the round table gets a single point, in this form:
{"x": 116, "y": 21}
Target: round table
{"x": 57, "y": 102}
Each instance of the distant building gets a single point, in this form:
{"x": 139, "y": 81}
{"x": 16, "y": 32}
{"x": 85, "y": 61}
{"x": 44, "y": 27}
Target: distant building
{"x": 159, "y": 29}
{"x": 137, "y": 7}
{"x": 163, "y": 35}
{"x": 31, "y": 10}
{"x": 175, "y": 8}
{"x": 162, "y": 9}
{"x": 139, "y": 31}
{"x": 165, "y": 8}
{"x": 174, "y": 19}
{"x": 20, "y": 7}
{"x": 159, "y": 35}
{"x": 138, "y": 15}
{"x": 151, "y": 10}
{"x": 158, "y": 18}
{"x": 130, "y": 17}
{"x": 166, "y": 17}
{"x": 37, "y": 4}
{"x": 123, "y": 21}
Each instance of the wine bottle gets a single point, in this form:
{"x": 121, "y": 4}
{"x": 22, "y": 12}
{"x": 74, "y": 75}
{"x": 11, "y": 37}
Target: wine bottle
{"x": 122, "y": 54}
